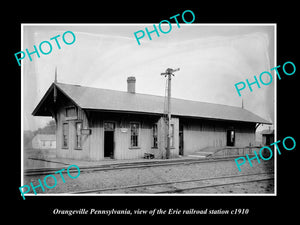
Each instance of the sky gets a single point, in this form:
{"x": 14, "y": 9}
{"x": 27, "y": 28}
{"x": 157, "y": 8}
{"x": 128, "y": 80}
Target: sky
{"x": 212, "y": 58}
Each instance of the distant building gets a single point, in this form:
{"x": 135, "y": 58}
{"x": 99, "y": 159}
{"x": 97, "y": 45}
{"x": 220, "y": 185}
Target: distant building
{"x": 44, "y": 141}
{"x": 267, "y": 137}
{"x": 94, "y": 123}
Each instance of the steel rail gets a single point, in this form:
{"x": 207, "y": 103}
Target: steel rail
{"x": 117, "y": 166}
{"x": 170, "y": 182}
{"x": 213, "y": 185}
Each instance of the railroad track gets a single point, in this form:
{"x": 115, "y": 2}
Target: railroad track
{"x": 130, "y": 165}
{"x": 183, "y": 185}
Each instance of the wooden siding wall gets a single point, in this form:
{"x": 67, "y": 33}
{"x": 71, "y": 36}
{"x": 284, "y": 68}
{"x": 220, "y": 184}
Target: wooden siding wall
{"x": 199, "y": 134}
{"x": 122, "y": 149}
{"x": 245, "y": 135}
{"x": 71, "y": 152}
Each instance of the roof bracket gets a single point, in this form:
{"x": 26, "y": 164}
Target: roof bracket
{"x": 257, "y": 125}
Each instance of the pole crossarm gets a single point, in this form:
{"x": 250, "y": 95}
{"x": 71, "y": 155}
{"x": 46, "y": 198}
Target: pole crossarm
{"x": 170, "y": 71}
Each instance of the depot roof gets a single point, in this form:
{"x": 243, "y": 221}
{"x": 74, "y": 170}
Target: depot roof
{"x": 89, "y": 98}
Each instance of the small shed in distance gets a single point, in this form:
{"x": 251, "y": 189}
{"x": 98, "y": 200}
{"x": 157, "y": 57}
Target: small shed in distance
{"x": 267, "y": 137}
{"x": 44, "y": 141}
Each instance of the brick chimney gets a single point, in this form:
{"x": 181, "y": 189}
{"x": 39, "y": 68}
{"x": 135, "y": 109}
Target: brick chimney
{"x": 131, "y": 85}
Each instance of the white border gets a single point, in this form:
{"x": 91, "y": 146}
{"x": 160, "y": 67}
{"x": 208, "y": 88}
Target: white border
{"x": 140, "y": 24}
{"x": 22, "y": 110}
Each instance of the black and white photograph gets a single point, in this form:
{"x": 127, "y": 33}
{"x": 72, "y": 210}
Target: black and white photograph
{"x": 166, "y": 109}
{"x": 150, "y": 111}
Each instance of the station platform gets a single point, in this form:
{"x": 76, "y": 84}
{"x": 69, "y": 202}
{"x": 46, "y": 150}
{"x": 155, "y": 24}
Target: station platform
{"x": 32, "y": 160}
{"x": 38, "y": 162}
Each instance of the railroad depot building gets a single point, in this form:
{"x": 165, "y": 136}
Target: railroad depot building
{"x": 93, "y": 123}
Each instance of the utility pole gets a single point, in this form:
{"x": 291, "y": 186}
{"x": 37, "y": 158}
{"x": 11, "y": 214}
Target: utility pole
{"x": 168, "y": 73}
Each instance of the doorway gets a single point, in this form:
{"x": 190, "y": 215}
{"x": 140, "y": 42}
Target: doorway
{"x": 181, "y": 139}
{"x": 230, "y": 137}
{"x": 109, "y": 139}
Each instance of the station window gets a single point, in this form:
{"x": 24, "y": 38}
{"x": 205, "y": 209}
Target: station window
{"x": 78, "y": 136}
{"x": 65, "y": 134}
{"x": 172, "y": 136}
{"x": 230, "y": 137}
{"x": 71, "y": 113}
{"x": 154, "y": 136}
{"x": 134, "y": 134}
{"x": 109, "y": 126}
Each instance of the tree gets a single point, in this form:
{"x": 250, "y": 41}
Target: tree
{"x": 27, "y": 140}
{"x": 50, "y": 128}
